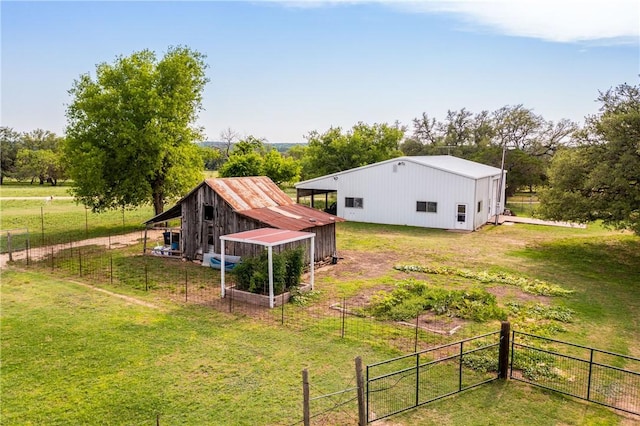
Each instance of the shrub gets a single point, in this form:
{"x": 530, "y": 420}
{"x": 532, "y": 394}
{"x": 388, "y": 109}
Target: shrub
{"x": 252, "y": 274}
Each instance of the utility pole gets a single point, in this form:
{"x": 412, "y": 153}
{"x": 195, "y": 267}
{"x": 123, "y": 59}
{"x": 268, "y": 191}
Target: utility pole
{"x": 499, "y": 195}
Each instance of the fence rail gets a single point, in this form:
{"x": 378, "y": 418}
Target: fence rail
{"x": 598, "y": 376}
{"x": 14, "y": 240}
{"x": 118, "y": 261}
{"x": 406, "y": 382}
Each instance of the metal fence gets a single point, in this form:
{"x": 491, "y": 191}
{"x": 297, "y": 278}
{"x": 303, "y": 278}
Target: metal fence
{"x": 409, "y": 381}
{"x": 118, "y": 262}
{"x": 14, "y": 240}
{"x": 595, "y": 375}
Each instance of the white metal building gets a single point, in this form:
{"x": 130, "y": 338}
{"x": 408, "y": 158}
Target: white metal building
{"x": 439, "y": 191}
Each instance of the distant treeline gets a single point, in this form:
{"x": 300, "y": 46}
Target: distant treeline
{"x": 280, "y": 147}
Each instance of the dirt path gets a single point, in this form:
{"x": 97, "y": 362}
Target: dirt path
{"x": 115, "y": 241}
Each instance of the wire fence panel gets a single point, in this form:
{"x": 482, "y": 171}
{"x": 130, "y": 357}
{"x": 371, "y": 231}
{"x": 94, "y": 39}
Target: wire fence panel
{"x": 117, "y": 261}
{"x": 14, "y": 240}
{"x": 595, "y": 375}
{"x": 409, "y": 381}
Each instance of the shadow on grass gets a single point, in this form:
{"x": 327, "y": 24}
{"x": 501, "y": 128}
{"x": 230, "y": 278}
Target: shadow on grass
{"x": 612, "y": 259}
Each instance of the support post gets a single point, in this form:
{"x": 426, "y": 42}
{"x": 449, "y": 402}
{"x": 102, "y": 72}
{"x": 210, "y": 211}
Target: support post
{"x": 306, "y": 416}
{"x": 222, "y": 290}
{"x": 362, "y": 407}
{"x": 503, "y": 353}
{"x": 312, "y": 261}
{"x": 270, "y": 255}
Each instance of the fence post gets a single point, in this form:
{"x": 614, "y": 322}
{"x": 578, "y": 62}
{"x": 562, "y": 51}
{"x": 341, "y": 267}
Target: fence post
{"x": 343, "y": 313}
{"x": 42, "y": 223}
{"x": 362, "y": 407}
{"x": 28, "y": 250}
{"x": 9, "y": 246}
{"x": 52, "y": 264}
{"x": 80, "y": 260}
{"x": 306, "y": 417}
{"x": 146, "y": 277}
{"x": 415, "y": 344}
{"x": 460, "y": 367}
{"x": 186, "y": 285}
{"x": 417, "y": 379}
{"x": 111, "y": 269}
{"x": 503, "y": 353}
{"x": 589, "y": 381}
{"x": 282, "y": 307}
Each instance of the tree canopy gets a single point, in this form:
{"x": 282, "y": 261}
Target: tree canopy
{"x": 600, "y": 179}
{"x": 34, "y": 156}
{"x": 131, "y": 130}
{"x": 531, "y": 141}
{"x": 334, "y": 151}
{"x": 252, "y": 157}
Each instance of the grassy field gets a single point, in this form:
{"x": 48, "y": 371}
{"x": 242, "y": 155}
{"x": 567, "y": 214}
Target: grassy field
{"x": 60, "y": 219}
{"x": 71, "y": 355}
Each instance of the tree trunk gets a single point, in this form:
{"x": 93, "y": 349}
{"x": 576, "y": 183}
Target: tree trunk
{"x": 158, "y": 202}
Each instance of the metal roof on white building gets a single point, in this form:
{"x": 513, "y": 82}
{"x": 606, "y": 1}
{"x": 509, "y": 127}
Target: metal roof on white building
{"x": 447, "y": 163}
{"x": 456, "y": 165}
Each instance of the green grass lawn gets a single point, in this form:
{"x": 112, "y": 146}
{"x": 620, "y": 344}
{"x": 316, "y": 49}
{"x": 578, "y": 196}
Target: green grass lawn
{"x": 71, "y": 355}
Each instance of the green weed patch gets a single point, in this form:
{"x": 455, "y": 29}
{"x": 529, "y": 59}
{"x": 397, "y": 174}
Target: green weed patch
{"x": 532, "y": 286}
{"x": 412, "y": 297}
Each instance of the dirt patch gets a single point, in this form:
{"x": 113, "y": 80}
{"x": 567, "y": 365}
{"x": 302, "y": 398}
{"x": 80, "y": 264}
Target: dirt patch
{"x": 510, "y": 293}
{"x": 364, "y": 265}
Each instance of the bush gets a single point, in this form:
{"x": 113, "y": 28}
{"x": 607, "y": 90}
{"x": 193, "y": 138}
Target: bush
{"x": 252, "y": 274}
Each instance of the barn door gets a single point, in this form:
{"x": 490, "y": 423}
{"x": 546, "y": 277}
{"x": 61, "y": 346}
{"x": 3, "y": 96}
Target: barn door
{"x": 461, "y": 216}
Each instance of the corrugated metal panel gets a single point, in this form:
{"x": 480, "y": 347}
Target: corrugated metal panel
{"x": 249, "y": 192}
{"x": 293, "y": 217}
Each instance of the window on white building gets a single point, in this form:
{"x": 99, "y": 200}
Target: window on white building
{"x": 427, "y": 206}
{"x": 353, "y": 202}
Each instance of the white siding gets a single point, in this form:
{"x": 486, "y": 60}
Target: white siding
{"x": 391, "y": 189}
{"x": 325, "y": 183}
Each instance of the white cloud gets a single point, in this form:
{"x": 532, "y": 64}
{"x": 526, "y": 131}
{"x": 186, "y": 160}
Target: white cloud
{"x": 608, "y": 21}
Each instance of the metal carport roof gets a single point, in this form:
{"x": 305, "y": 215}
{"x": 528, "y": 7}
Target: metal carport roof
{"x": 267, "y": 237}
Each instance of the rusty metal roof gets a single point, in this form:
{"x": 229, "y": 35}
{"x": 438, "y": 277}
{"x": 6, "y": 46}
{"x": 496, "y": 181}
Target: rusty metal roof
{"x": 293, "y": 217}
{"x": 244, "y": 193}
{"x": 258, "y": 198}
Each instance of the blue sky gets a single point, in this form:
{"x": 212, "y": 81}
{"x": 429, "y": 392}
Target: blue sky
{"x": 280, "y": 69}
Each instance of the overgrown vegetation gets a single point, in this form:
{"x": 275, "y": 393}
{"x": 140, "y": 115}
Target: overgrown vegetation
{"x": 411, "y": 297}
{"x": 532, "y": 286}
{"x": 252, "y": 274}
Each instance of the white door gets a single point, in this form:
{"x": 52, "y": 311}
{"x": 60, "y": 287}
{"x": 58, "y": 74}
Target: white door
{"x": 461, "y": 216}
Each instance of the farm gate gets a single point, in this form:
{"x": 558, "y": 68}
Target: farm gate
{"x": 409, "y": 381}
{"x": 598, "y": 376}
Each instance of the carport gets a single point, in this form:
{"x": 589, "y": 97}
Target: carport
{"x": 267, "y": 237}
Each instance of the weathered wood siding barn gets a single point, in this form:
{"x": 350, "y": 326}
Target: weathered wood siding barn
{"x": 438, "y": 191}
{"x": 225, "y": 206}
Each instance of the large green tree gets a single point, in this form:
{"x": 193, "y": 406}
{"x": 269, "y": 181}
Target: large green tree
{"x": 600, "y": 179}
{"x": 10, "y": 144}
{"x": 334, "y": 151}
{"x": 131, "y": 130}
{"x": 40, "y": 157}
{"x": 252, "y": 157}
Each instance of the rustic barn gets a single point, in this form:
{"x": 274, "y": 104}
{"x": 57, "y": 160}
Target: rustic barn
{"x": 225, "y": 206}
{"x": 439, "y": 191}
